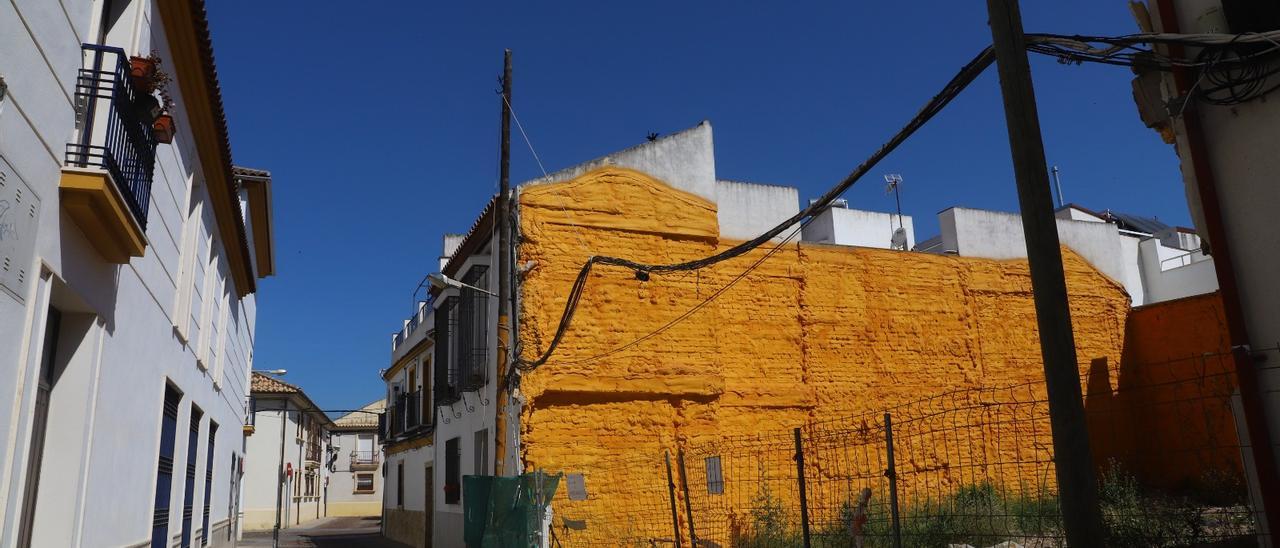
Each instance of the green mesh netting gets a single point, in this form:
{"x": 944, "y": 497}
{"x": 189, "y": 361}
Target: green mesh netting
{"x": 501, "y": 512}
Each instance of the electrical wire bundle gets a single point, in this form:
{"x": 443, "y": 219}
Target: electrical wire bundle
{"x": 1233, "y": 68}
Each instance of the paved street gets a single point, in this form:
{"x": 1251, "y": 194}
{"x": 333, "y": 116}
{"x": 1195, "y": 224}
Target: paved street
{"x": 327, "y": 533}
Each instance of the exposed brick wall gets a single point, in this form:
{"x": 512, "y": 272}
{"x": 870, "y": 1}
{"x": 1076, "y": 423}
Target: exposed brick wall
{"x": 816, "y": 332}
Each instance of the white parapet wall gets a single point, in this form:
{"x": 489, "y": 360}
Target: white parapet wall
{"x": 998, "y": 235}
{"x": 842, "y": 226}
{"x": 746, "y": 210}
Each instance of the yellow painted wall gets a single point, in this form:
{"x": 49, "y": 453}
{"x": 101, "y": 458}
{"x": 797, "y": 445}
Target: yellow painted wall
{"x": 816, "y": 332}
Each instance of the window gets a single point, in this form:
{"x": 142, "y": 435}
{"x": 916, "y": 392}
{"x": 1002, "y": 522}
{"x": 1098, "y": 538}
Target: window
{"x": 715, "y": 476}
{"x": 473, "y": 328}
{"x": 208, "y": 480}
{"x": 192, "y": 238}
{"x": 446, "y": 388}
{"x": 481, "y": 453}
{"x": 164, "y": 468}
{"x": 452, "y": 475}
{"x": 400, "y": 484}
{"x": 364, "y": 483}
{"x": 224, "y": 303}
{"x": 189, "y": 494}
{"x": 214, "y": 284}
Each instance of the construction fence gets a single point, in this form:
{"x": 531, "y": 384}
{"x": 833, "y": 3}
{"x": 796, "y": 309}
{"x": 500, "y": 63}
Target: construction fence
{"x": 971, "y": 467}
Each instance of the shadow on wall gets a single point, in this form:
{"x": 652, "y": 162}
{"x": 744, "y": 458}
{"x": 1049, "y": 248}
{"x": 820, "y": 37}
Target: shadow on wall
{"x": 1169, "y": 421}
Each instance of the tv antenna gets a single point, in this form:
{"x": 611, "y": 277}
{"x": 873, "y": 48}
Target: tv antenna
{"x": 892, "y": 183}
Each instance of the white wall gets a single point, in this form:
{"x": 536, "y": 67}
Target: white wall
{"x": 747, "y": 210}
{"x": 1173, "y": 273}
{"x": 998, "y": 235}
{"x": 842, "y": 226}
{"x": 342, "y": 483}
{"x": 684, "y": 160}
{"x": 103, "y": 443}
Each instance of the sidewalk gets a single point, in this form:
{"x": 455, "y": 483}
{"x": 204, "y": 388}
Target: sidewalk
{"x": 327, "y": 533}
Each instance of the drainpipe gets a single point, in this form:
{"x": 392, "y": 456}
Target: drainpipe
{"x": 1263, "y": 452}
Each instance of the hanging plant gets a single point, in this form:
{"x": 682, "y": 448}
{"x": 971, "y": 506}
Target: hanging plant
{"x": 162, "y": 129}
{"x": 162, "y": 124}
{"x": 145, "y": 72}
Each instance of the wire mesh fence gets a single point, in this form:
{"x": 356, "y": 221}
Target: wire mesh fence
{"x": 971, "y": 467}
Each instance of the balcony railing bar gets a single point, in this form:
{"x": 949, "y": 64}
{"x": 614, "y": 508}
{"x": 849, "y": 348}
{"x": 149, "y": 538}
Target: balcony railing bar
{"x": 127, "y": 146}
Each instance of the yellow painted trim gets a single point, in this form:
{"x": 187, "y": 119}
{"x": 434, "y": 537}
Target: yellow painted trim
{"x": 418, "y": 348}
{"x": 259, "y": 215}
{"x": 187, "y": 66}
{"x": 409, "y": 445}
{"x": 96, "y": 205}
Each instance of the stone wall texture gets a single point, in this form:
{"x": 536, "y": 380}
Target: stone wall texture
{"x": 813, "y": 333}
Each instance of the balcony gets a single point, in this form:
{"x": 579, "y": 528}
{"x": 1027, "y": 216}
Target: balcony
{"x": 312, "y": 456}
{"x": 106, "y": 179}
{"x": 364, "y": 460}
{"x": 404, "y": 415}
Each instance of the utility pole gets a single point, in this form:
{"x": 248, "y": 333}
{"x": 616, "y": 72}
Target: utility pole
{"x": 275, "y": 533}
{"x": 502, "y": 218}
{"x": 1077, "y": 485}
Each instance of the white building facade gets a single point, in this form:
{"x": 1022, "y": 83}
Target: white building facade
{"x": 355, "y": 484}
{"x": 129, "y": 253}
{"x": 290, "y": 457}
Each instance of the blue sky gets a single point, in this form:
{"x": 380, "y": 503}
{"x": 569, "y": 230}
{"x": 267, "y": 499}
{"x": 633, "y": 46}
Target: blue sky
{"x": 380, "y": 126}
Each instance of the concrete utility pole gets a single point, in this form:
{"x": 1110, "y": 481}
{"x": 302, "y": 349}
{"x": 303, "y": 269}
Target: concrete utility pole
{"x": 275, "y": 533}
{"x": 1077, "y": 486}
{"x": 501, "y": 217}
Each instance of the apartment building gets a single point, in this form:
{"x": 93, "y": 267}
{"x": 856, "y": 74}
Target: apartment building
{"x": 355, "y": 484}
{"x": 291, "y": 457}
{"x": 130, "y": 249}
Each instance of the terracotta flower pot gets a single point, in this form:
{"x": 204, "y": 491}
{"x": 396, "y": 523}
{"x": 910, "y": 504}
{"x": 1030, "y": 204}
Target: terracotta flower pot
{"x": 142, "y": 70}
{"x": 162, "y": 129}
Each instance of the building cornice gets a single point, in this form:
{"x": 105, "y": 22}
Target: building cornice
{"x": 187, "y": 28}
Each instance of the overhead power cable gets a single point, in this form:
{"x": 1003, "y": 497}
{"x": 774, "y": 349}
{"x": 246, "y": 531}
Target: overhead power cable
{"x": 962, "y": 79}
{"x": 1234, "y": 67}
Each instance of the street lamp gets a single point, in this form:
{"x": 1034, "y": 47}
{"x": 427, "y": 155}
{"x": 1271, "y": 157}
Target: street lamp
{"x": 275, "y": 372}
{"x": 440, "y": 281}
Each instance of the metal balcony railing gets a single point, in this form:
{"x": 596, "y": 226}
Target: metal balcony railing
{"x": 313, "y": 452}
{"x": 360, "y": 459}
{"x": 113, "y": 133}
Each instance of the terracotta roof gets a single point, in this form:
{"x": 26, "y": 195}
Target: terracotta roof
{"x": 366, "y": 417}
{"x": 268, "y": 384}
{"x": 265, "y": 384}
{"x": 473, "y": 241}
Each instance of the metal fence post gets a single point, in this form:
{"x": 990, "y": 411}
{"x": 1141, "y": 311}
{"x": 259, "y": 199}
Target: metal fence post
{"x": 688, "y": 505}
{"x": 804, "y": 503}
{"x": 671, "y": 490}
{"x": 892, "y": 473}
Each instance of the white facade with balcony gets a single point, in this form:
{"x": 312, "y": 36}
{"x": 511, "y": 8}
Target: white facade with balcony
{"x": 1158, "y": 265}
{"x": 291, "y": 457}
{"x": 355, "y": 483}
{"x": 127, "y": 275}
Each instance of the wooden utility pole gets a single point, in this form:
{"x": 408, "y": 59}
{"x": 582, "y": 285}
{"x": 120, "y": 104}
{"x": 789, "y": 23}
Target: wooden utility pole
{"x": 501, "y": 218}
{"x": 1077, "y": 485}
